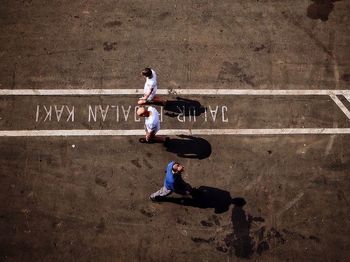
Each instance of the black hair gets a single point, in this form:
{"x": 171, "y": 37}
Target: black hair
{"x": 147, "y": 72}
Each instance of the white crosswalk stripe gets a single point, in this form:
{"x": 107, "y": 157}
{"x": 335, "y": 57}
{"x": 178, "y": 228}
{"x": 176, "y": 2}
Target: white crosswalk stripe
{"x": 193, "y": 132}
{"x": 340, "y": 105}
{"x": 99, "y": 92}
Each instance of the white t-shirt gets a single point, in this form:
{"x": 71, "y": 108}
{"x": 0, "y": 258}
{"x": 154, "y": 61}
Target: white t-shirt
{"x": 152, "y": 122}
{"x": 149, "y": 84}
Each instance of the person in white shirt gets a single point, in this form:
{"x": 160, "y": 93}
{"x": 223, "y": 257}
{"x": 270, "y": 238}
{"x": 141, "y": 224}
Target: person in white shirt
{"x": 152, "y": 124}
{"x": 150, "y": 88}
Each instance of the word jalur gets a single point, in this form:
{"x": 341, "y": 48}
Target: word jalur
{"x": 97, "y": 113}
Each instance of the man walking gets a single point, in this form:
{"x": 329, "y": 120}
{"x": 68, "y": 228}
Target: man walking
{"x": 173, "y": 182}
{"x": 152, "y": 125}
{"x": 150, "y": 88}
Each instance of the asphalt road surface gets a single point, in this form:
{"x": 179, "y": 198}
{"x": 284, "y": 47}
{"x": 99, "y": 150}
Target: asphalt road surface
{"x": 272, "y": 169}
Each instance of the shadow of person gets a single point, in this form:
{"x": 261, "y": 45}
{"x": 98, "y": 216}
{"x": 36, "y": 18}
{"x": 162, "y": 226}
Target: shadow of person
{"x": 240, "y": 240}
{"x": 320, "y": 9}
{"x": 204, "y": 197}
{"x": 188, "y": 147}
{"x": 182, "y": 106}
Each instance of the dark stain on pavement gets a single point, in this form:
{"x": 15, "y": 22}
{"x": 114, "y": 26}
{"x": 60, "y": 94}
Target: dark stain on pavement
{"x": 146, "y": 213}
{"x": 109, "y": 46}
{"x": 339, "y": 165}
{"x": 243, "y": 242}
{"x": 101, "y": 226}
{"x": 216, "y": 220}
{"x": 314, "y": 238}
{"x": 112, "y": 24}
{"x": 260, "y": 233}
{"x": 148, "y": 154}
{"x": 301, "y": 236}
{"x": 221, "y": 249}
{"x": 206, "y": 15}
{"x": 341, "y": 196}
{"x": 206, "y": 224}
{"x": 320, "y": 9}
{"x": 180, "y": 221}
{"x": 345, "y": 77}
{"x": 164, "y": 15}
{"x": 233, "y": 71}
{"x": 11, "y": 152}
{"x": 211, "y": 221}
{"x": 259, "y": 48}
{"x": 136, "y": 163}
{"x": 276, "y": 236}
{"x": 147, "y": 164}
{"x": 101, "y": 182}
{"x": 310, "y": 33}
{"x": 263, "y": 246}
{"x": 202, "y": 240}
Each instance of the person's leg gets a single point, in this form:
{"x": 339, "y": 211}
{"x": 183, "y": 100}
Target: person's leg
{"x": 152, "y": 100}
{"x": 183, "y": 188}
{"x": 145, "y": 139}
{"x": 151, "y": 137}
{"x": 158, "y": 100}
{"x": 147, "y": 101}
{"x": 163, "y": 192}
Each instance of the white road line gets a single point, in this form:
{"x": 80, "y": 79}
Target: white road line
{"x": 340, "y": 105}
{"x": 329, "y": 145}
{"x": 290, "y": 204}
{"x": 347, "y": 97}
{"x": 194, "y": 132}
{"x": 99, "y": 92}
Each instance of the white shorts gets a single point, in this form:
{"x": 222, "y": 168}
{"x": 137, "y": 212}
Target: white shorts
{"x": 150, "y": 98}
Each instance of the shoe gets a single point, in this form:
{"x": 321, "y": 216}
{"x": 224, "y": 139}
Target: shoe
{"x": 166, "y": 141}
{"x": 143, "y": 140}
{"x": 152, "y": 198}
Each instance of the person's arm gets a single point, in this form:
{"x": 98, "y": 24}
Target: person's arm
{"x": 149, "y": 135}
{"x": 148, "y": 93}
{"x": 150, "y": 131}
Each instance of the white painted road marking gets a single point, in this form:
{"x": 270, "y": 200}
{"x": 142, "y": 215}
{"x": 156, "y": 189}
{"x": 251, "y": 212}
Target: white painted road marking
{"x": 99, "y": 92}
{"x": 137, "y": 132}
{"x": 290, "y": 204}
{"x": 340, "y": 105}
{"x": 194, "y": 132}
{"x": 347, "y": 97}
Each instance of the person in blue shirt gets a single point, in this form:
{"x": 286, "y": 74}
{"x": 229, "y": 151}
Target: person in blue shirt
{"x": 173, "y": 182}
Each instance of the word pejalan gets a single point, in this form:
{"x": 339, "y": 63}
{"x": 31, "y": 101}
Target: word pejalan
{"x": 125, "y": 113}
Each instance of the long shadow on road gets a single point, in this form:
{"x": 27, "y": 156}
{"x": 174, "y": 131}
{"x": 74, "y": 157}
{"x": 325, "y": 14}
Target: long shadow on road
{"x": 205, "y": 197}
{"x": 240, "y": 240}
{"x": 244, "y": 241}
{"x": 182, "y": 106}
{"x": 189, "y": 147}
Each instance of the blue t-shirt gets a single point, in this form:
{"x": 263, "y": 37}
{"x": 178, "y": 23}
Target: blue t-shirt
{"x": 169, "y": 180}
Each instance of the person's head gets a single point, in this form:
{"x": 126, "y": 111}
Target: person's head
{"x": 177, "y": 168}
{"x": 141, "y": 111}
{"x": 147, "y": 72}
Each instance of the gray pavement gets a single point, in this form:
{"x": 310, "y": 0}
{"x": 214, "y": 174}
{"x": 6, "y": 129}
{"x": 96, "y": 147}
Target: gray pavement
{"x": 264, "y": 198}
